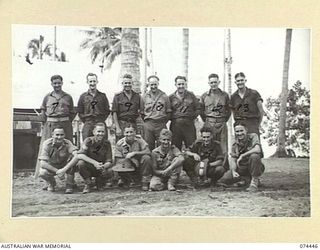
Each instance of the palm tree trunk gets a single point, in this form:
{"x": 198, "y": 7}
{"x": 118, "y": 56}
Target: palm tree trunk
{"x": 281, "y": 150}
{"x": 185, "y": 52}
{"x": 130, "y": 51}
{"x": 40, "y": 47}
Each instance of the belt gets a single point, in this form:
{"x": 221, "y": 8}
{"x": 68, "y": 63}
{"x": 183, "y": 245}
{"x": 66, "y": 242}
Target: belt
{"x": 94, "y": 120}
{"x": 245, "y": 118}
{"x": 57, "y": 119}
{"x": 131, "y": 120}
{"x": 215, "y": 119}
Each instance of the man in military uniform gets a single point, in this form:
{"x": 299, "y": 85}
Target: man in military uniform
{"x": 126, "y": 107}
{"x": 57, "y": 153}
{"x": 245, "y": 160}
{"x": 166, "y": 163}
{"x": 156, "y": 111}
{"x": 216, "y": 111}
{"x": 93, "y": 107}
{"x": 56, "y": 110}
{"x": 185, "y": 109}
{"x": 132, "y": 157}
{"x": 95, "y": 158}
{"x": 246, "y": 105}
{"x": 209, "y": 153}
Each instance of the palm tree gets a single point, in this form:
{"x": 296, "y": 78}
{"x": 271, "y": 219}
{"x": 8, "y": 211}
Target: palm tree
{"x": 130, "y": 55}
{"x": 185, "y": 52}
{"x": 281, "y": 150}
{"x": 104, "y": 44}
{"x": 36, "y": 48}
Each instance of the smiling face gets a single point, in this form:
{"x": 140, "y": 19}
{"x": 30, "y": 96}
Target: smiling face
{"x": 130, "y": 134}
{"x": 92, "y": 82}
{"x": 180, "y": 85}
{"x": 165, "y": 141}
{"x": 241, "y": 82}
{"x": 58, "y": 135}
{"x": 214, "y": 83}
{"x": 240, "y": 132}
{"x": 99, "y": 132}
{"x": 206, "y": 138}
{"x": 127, "y": 84}
{"x": 153, "y": 83}
{"x": 57, "y": 85}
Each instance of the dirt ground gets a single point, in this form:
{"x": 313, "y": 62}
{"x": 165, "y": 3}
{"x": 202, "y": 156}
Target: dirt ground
{"x": 285, "y": 192}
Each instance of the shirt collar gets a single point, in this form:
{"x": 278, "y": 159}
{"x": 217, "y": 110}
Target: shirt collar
{"x": 62, "y": 144}
{"x": 211, "y": 90}
{"x": 62, "y": 94}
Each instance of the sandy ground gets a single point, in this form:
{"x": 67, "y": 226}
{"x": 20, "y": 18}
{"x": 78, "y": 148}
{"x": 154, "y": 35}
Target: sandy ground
{"x": 285, "y": 192}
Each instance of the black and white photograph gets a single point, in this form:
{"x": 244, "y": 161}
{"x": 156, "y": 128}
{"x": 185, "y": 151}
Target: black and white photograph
{"x": 160, "y": 121}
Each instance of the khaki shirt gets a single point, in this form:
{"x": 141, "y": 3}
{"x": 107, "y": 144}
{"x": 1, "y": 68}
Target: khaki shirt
{"x": 239, "y": 148}
{"x": 212, "y": 152}
{"x": 97, "y": 150}
{"x": 216, "y": 104}
{"x": 127, "y": 109}
{"x": 93, "y": 106}
{"x": 245, "y": 107}
{"x": 56, "y": 155}
{"x": 162, "y": 161}
{"x": 187, "y": 107}
{"x": 58, "y": 107}
{"x": 123, "y": 147}
{"x": 156, "y": 107}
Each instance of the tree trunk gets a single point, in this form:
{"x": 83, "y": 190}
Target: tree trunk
{"x": 281, "y": 146}
{"x": 185, "y": 52}
{"x": 130, "y": 51}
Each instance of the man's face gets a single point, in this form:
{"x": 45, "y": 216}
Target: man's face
{"x": 99, "y": 132}
{"x": 127, "y": 84}
{"x": 92, "y": 82}
{"x": 181, "y": 85}
{"x": 206, "y": 137}
{"x": 130, "y": 134}
{"x": 153, "y": 83}
{"x": 56, "y": 84}
{"x": 165, "y": 141}
{"x": 58, "y": 135}
{"x": 240, "y": 132}
{"x": 241, "y": 82}
{"x": 214, "y": 82}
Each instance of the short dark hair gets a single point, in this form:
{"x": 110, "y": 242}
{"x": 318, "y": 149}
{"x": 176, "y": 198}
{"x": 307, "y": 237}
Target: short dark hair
{"x": 130, "y": 125}
{"x": 240, "y": 74}
{"x": 153, "y": 76}
{"x": 99, "y": 124}
{"x": 57, "y": 127}
{"x": 165, "y": 132}
{"x": 92, "y": 74}
{"x": 180, "y": 77}
{"x": 206, "y": 128}
{"x": 128, "y": 76}
{"x": 239, "y": 123}
{"x": 54, "y": 77}
{"x": 213, "y": 76}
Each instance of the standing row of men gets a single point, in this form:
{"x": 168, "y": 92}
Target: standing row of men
{"x": 156, "y": 109}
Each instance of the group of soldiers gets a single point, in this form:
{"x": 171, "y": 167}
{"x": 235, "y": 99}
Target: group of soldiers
{"x": 156, "y": 159}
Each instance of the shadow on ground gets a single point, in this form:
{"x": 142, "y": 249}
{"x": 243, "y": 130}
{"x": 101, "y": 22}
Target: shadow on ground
{"x": 285, "y": 192}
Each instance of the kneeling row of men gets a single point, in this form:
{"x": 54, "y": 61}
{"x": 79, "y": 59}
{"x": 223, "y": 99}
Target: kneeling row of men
{"x": 156, "y": 170}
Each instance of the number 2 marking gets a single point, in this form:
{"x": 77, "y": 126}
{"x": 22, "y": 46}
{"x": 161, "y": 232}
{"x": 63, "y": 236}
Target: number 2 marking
{"x": 97, "y": 150}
